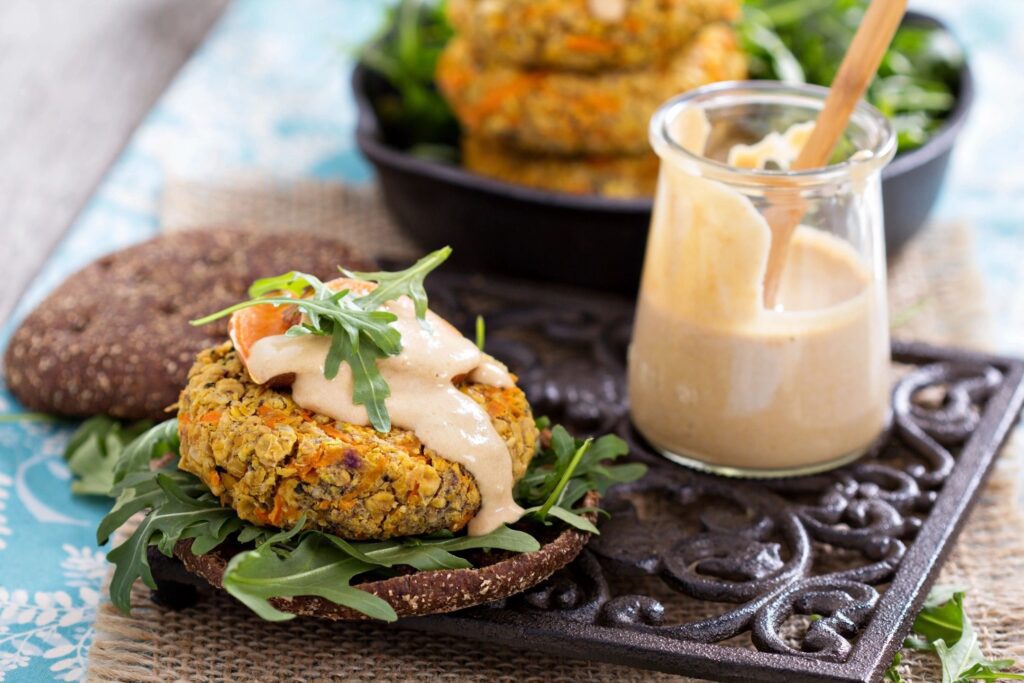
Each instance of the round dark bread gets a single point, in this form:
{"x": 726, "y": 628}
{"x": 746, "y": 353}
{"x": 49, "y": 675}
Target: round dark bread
{"x": 114, "y": 338}
{"x": 425, "y": 592}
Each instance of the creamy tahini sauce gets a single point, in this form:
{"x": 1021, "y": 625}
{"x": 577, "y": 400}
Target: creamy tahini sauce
{"x": 780, "y": 148}
{"x": 716, "y": 376}
{"x": 608, "y": 11}
{"x": 423, "y": 398}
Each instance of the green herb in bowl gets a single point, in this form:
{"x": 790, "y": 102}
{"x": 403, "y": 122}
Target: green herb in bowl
{"x": 803, "y": 41}
{"x": 404, "y": 53}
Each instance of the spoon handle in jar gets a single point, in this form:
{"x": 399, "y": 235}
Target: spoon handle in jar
{"x": 858, "y": 67}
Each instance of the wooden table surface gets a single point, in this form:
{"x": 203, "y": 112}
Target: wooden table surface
{"x": 76, "y": 77}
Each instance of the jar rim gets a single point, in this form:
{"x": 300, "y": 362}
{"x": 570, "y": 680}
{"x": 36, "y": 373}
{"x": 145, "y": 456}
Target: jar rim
{"x": 752, "y": 92}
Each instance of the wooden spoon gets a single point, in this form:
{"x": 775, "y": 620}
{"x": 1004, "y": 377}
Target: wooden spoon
{"x": 855, "y": 73}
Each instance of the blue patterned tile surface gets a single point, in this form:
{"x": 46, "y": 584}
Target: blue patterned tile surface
{"x": 268, "y": 94}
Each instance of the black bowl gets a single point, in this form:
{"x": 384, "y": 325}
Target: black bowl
{"x": 586, "y": 240}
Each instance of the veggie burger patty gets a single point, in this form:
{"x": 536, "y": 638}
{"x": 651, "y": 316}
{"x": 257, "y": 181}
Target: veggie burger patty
{"x": 624, "y": 177}
{"x": 273, "y": 461}
{"x": 553, "y": 112}
{"x": 570, "y": 35}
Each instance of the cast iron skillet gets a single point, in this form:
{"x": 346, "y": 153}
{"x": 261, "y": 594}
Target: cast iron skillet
{"x": 587, "y": 240}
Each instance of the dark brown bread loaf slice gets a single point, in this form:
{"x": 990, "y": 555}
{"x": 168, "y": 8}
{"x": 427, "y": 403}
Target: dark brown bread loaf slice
{"x": 495, "y": 577}
{"x": 114, "y": 338}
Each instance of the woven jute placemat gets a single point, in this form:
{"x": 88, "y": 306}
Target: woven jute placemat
{"x": 934, "y": 289}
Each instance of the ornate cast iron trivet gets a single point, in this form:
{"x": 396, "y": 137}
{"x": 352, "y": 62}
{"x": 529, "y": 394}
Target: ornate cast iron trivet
{"x": 719, "y": 578}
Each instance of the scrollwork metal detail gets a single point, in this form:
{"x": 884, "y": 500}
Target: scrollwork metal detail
{"x": 763, "y": 553}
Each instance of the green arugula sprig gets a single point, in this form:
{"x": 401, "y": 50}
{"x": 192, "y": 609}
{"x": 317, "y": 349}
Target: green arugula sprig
{"x": 563, "y": 472}
{"x": 481, "y": 332}
{"x": 360, "y": 333}
{"x": 298, "y": 561}
{"x": 943, "y": 627}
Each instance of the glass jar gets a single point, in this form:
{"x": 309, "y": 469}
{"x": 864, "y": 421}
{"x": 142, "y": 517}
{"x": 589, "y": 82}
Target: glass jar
{"x": 723, "y": 375}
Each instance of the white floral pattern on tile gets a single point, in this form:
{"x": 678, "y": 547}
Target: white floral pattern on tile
{"x": 5, "y": 495}
{"x": 53, "y": 626}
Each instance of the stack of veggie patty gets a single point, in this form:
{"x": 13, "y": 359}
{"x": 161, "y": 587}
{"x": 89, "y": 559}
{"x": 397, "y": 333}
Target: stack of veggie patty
{"x": 557, "y": 94}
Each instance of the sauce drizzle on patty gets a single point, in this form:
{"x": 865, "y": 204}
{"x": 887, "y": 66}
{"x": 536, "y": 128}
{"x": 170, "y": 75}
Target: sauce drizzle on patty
{"x": 608, "y": 11}
{"x": 423, "y": 397}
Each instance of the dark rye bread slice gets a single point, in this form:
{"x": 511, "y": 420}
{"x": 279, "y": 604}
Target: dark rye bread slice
{"x": 114, "y": 338}
{"x": 425, "y": 592}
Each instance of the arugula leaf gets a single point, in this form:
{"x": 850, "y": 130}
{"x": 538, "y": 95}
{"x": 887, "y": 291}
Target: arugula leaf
{"x": 292, "y": 282}
{"x": 592, "y": 472}
{"x": 408, "y": 282}
{"x": 360, "y": 333}
{"x": 426, "y": 554}
{"x": 152, "y": 444}
{"x": 301, "y": 561}
{"x": 937, "y": 597}
{"x": 369, "y": 387}
{"x": 805, "y": 40}
{"x": 164, "y": 525}
{"x": 563, "y": 481}
{"x": 93, "y": 451}
{"x": 940, "y": 619}
{"x": 142, "y": 491}
{"x": 943, "y": 627}
{"x": 568, "y": 516}
{"x": 561, "y": 474}
{"x": 315, "y": 567}
{"x": 481, "y": 332}
{"x": 892, "y": 674}
{"x": 405, "y": 52}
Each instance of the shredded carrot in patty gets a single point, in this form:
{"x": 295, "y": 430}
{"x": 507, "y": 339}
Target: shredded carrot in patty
{"x": 632, "y": 24}
{"x": 588, "y": 44}
{"x": 515, "y": 87}
{"x": 280, "y": 511}
{"x": 331, "y": 431}
{"x": 210, "y": 417}
{"x": 270, "y": 416}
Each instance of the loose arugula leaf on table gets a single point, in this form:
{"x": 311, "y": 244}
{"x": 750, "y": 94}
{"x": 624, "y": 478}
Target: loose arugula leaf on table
{"x": 892, "y": 674}
{"x": 360, "y": 333}
{"x": 944, "y": 628}
{"x": 93, "y": 451}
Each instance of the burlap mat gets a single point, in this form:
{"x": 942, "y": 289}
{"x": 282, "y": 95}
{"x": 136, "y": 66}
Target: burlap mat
{"x": 934, "y": 289}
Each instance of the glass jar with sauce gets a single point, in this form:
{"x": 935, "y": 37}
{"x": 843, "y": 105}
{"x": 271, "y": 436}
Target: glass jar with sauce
{"x": 726, "y": 374}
